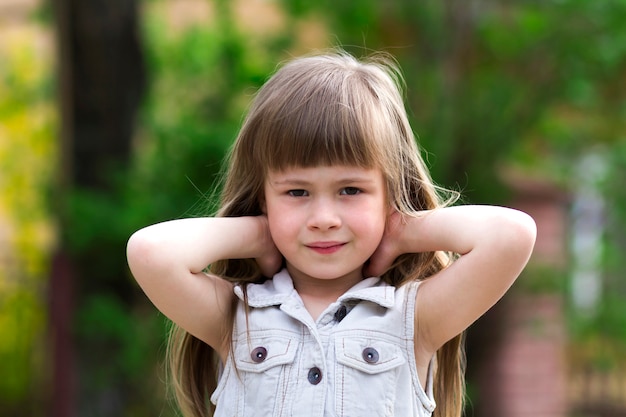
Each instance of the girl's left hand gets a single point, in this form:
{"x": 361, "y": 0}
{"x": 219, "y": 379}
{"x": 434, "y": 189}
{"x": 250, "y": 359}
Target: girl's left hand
{"x": 389, "y": 249}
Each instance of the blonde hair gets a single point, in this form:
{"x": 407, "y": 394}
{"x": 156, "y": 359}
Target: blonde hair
{"x": 324, "y": 110}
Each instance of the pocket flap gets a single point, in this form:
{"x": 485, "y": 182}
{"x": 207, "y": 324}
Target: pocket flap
{"x": 259, "y": 354}
{"x": 369, "y": 356}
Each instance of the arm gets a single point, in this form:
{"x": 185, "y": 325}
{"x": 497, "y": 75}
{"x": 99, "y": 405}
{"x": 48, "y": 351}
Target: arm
{"x": 495, "y": 244}
{"x": 168, "y": 259}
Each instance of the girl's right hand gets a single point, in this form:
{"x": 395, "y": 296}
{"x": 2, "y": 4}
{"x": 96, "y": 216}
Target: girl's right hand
{"x": 270, "y": 260}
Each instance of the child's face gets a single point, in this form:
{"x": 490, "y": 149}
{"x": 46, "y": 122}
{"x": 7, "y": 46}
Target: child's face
{"x": 327, "y": 220}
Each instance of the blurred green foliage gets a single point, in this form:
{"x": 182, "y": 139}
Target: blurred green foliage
{"x": 27, "y": 150}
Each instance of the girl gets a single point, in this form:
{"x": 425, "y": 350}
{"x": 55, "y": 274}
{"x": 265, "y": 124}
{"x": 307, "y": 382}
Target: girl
{"x": 331, "y": 289}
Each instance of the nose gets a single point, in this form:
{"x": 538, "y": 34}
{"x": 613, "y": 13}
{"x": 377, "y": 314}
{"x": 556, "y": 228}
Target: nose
{"x": 324, "y": 215}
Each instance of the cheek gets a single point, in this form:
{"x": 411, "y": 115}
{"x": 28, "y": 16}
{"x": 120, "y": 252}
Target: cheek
{"x": 281, "y": 223}
{"x": 378, "y": 232}
{"x": 373, "y": 226}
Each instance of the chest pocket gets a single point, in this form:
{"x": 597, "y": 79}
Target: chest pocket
{"x": 264, "y": 365}
{"x": 368, "y": 371}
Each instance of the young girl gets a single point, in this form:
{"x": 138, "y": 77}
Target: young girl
{"x": 330, "y": 290}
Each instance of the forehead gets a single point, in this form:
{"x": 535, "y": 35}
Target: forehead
{"x": 324, "y": 173}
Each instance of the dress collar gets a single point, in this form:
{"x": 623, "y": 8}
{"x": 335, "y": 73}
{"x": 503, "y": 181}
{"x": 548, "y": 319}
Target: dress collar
{"x": 279, "y": 289}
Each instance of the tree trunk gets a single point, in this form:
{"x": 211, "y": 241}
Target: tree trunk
{"x": 100, "y": 84}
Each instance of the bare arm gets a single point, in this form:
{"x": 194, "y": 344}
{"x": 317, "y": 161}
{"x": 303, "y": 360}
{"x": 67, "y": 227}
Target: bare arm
{"x": 168, "y": 259}
{"x": 495, "y": 244}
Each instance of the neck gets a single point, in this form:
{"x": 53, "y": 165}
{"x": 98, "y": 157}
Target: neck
{"x": 318, "y": 294}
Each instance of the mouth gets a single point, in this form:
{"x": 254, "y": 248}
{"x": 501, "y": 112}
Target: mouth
{"x": 325, "y": 248}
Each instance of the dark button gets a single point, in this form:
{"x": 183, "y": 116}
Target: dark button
{"x": 370, "y": 355}
{"x": 315, "y": 375}
{"x": 341, "y": 313}
{"x": 259, "y": 354}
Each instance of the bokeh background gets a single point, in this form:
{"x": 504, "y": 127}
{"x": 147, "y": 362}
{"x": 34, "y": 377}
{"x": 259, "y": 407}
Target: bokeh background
{"x": 116, "y": 114}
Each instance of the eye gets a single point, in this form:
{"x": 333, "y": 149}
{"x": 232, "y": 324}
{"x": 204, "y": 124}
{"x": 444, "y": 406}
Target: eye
{"x": 298, "y": 193}
{"x": 350, "y": 191}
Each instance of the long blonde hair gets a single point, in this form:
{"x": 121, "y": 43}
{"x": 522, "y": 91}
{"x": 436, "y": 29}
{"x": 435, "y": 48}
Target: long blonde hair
{"x": 324, "y": 110}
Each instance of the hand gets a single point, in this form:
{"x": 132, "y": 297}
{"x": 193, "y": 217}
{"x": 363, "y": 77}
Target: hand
{"x": 270, "y": 260}
{"x": 388, "y": 249}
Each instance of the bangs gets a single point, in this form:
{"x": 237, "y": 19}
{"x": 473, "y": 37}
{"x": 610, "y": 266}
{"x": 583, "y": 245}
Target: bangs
{"x": 336, "y": 135}
{"x": 330, "y": 118}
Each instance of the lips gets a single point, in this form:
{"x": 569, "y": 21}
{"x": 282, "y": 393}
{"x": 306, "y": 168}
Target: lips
{"x": 325, "y": 248}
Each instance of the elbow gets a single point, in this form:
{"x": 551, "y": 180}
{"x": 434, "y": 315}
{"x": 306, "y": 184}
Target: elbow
{"x": 528, "y": 228}
{"x": 136, "y": 249}
{"x": 523, "y": 234}
{"x": 142, "y": 254}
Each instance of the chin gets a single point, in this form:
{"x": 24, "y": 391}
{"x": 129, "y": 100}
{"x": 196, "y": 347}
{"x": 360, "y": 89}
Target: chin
{"x": 329, "y": 275}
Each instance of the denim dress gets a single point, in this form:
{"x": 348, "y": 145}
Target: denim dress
{"x": 357, "y": 359}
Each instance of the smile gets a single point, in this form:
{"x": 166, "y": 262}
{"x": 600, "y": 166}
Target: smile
{"x": 325, "y": 248}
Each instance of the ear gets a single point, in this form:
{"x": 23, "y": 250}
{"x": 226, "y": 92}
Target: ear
{"x": 263, "y": 205}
